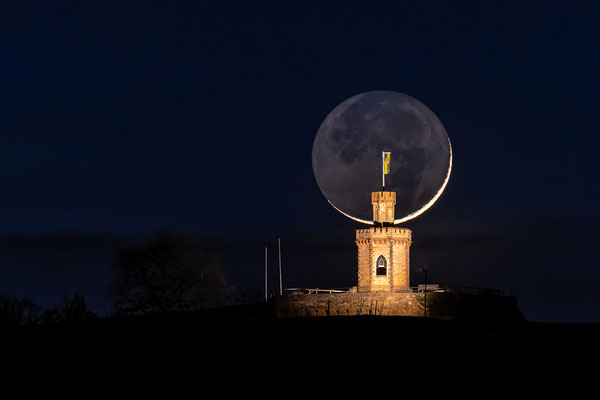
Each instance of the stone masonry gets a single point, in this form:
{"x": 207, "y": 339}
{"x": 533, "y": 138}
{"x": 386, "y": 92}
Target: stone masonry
{"x": 344, "y": 304}
{"x": 383, "y": 206}
{"x": 383, "y": 251}
{"x": 393, "y": 245}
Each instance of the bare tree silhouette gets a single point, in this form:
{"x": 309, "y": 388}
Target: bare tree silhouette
{"x": 71, "y": 308}
{"x": 170, "y": 273}
{"x": 19, "y": 311}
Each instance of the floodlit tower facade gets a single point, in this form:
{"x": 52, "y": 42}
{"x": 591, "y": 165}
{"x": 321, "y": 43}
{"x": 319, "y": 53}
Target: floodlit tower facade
{"x": 383, "y": 250}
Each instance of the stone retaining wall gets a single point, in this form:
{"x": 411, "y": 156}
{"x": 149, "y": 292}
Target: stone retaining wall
{"x": 309, "y": 305}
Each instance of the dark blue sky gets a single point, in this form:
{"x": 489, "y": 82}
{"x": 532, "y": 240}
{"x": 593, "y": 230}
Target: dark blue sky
{"x": 119, "y": 119}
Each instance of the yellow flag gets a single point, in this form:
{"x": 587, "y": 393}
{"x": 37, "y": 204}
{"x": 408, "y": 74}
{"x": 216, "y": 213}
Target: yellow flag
{"x": 386, "y": 162}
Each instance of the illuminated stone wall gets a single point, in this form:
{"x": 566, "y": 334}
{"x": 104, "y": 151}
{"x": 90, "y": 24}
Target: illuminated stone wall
{"x": 310, "y": 305}
{"x": 392, "y": 243}
{"x": 383, "y": 206}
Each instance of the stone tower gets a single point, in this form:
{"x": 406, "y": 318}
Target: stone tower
{"x": 383, "y": 250}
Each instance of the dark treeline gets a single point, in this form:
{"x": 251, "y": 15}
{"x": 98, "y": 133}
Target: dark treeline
{"x": 24, "y": 311}
{"x": 172, "y": 272}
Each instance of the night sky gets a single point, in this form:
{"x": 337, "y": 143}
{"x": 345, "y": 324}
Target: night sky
{"x": 120, "y": 119}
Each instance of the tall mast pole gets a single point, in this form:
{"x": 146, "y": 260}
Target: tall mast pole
{"x": 266, "y": 273}
{"x": 279, "y": 250}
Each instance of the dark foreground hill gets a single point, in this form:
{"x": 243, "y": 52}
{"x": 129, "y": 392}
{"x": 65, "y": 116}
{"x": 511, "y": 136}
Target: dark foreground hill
{"x": 237, "y": 348}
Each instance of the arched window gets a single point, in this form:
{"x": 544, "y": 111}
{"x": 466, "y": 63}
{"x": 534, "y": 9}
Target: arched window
{"x": 381, "y": 266}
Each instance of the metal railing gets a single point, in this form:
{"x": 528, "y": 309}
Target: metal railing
{"x": 431, "y": 288}
{"x": 317, "y": 290}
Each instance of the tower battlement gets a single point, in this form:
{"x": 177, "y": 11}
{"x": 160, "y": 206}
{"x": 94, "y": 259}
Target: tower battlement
{"x": 383, "y": 196}
{"x": 384, "y": 232}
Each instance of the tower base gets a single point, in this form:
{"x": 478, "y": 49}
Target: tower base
{"x": 383, "y": 259}
{"x": 344, "y": 304}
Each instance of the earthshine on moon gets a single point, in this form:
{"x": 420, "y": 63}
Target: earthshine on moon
{"x": 346, "y": 154}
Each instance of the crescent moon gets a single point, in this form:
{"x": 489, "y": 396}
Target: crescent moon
{"x": 420, "y": 210}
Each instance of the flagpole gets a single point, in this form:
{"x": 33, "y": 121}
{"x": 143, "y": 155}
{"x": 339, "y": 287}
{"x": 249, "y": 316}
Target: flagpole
{"x": 279, "y": 251}
{"x": 383, "y": 170}
{"x": 266, "y": 273}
